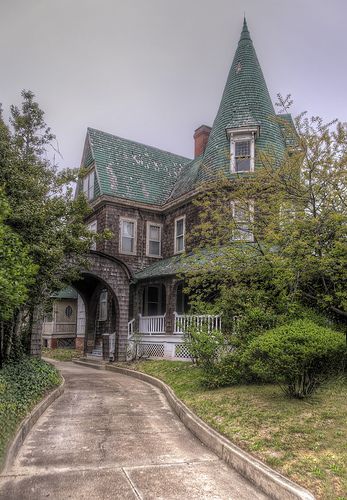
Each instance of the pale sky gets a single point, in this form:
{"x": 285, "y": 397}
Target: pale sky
{"x": 154, "y": 70}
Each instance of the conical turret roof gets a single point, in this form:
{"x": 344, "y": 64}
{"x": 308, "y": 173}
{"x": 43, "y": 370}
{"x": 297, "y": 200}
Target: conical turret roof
{"x": 245, "y": 103}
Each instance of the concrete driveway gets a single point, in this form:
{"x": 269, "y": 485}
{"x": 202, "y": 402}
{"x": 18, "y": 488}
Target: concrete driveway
{"x": 110, "y": 436}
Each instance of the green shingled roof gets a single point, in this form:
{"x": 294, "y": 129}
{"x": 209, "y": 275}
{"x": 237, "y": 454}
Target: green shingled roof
{"x": 245, "y": 102}
{"x": 133, "y": 171}
{"x": 66, "y": 293}
{"x": 130, "y": 170}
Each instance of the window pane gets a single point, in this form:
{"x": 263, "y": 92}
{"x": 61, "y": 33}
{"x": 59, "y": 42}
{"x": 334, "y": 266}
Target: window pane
{"x": 85, "y": 185}
{"x": 243, "y": 148}
{"x": 154, "y": 233}
{"x": 179, "y": 244}
{"x": 154, "y": 248}
{"x": 243, "y": 164}
{"x": 128, "y": 229}
{"x": 127, "y": 244}
{"x": 240, "y": 214}
{"x": 91, "y": 186}
{"x": 179, "y": 227}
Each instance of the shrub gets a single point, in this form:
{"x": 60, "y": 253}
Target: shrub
{"x": 205, "y": 347}
{"x": 22, "y": 385}
{"x": 298, "y": 356}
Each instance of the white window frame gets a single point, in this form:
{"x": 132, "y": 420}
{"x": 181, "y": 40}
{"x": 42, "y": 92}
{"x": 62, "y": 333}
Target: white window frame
{"x": 177, "y": 219}
{"x": 103, "y": 310}
{"x": 148, "y": 229}
{"x": 88, "y": 183}
{"x": 93, "y": 228}
{"x": 241, "y": 135}
{"x": 247, "y": 235}
{"x": 133, "y": 221}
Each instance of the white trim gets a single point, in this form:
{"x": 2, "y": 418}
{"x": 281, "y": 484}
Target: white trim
{"x": 134, "y": 221}
{"x": 148, "y": 225}
{"x": 177, "y": 219}
{"x": 239, "y": 135}
{"x": 93, "y": 228}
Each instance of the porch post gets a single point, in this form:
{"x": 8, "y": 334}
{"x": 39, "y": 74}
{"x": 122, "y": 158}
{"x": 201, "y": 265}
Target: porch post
{"x": 170, "y": 306}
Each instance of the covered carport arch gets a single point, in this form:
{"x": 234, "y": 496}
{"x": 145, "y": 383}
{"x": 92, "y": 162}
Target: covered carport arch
{"x": 105, "y": 272}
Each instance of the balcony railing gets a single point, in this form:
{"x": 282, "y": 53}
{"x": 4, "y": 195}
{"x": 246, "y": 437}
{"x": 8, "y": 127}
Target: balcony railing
{"x": 185, "y": 321}
{"x": 152, "y": 325}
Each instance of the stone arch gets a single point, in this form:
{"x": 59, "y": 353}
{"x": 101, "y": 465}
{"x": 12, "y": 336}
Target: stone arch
{"x": 112, "y": 274}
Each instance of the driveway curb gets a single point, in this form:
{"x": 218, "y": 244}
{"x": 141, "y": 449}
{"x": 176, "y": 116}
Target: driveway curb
{"x": 28, "y": 423}
{"x": 269, "y": 481}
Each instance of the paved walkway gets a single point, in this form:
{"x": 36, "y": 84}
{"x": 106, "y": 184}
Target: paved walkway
{"x": 110, "y": 436}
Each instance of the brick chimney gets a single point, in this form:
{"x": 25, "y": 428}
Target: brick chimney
{"x": 201, "y": 136}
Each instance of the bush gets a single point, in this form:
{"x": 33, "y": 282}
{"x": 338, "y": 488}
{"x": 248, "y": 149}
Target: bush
{"x": 22, "y": 385}
{"x": 205, "y": 347}
{"x": 298, "y": 356}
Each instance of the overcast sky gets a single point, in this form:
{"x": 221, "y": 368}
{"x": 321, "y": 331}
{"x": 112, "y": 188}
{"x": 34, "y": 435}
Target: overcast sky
{"x": 154, "y": 70}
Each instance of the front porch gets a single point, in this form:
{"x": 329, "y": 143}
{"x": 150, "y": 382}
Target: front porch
{"x": 151, "y": 339}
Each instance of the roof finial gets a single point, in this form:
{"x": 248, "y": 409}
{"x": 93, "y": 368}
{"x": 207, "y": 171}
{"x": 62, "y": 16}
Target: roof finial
{"x": 245, "y": 33}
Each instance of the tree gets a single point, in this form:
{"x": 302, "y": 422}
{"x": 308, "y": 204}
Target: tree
{"x": 277, "y": 237}
{"x": 44, "y": 221}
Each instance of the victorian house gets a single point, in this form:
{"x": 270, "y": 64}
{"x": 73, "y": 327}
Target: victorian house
{"x": 144, "y": 196}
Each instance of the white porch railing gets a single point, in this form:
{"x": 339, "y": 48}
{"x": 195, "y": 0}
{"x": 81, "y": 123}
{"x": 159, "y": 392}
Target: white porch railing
{"x": 152, "y": 325}
{"x": 185, "y": 321}
{"x": 131, "y": 328}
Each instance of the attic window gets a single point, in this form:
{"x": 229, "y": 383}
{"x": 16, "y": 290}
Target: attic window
{"x": 88, "y": 185}
{"x": 242, "y": 156}
{"x": 242, "y": 149}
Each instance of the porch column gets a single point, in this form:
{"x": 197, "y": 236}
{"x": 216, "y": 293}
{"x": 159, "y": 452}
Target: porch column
{"x": 121, "y": 344}
{"x": 170, "y": 306}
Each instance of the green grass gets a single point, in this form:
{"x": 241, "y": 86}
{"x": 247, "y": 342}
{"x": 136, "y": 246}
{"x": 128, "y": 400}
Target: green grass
{"x": 61, "y": 354}
{"x": 22, "y": 386}
{"x": 303, "y": 439}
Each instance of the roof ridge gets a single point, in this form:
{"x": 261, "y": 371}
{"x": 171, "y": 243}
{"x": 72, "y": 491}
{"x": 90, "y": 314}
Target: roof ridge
{"x": 140, "y": 144}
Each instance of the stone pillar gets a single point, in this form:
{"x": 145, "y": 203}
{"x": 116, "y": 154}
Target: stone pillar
{"x": 36, "y": 334}
{"x": 79, "y": 343}
{"x": 122, "y": 323}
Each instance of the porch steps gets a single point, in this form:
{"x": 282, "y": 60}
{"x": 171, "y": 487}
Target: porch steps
{"x": 92, "y": 363}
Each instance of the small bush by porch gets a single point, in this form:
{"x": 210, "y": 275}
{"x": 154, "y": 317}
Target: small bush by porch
{"x": 302, "y": 439}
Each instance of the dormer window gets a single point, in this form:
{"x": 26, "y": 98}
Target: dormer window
{"x": 242, "y": 148}
{"x": 242, "y": 156}
{"x": 88, "y": 185}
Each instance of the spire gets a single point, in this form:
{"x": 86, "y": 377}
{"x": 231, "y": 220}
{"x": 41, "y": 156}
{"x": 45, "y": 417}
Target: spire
{"x": 245, "y": 102}
{"x": 245, "y": 33}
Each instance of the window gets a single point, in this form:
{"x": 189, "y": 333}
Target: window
{"x": 103, "y": 306}
{"x": 242, "y": 156}
{"x": 128, "y": 236}
{"x": 153, "y": 239}
{"x": 93, "y": 228}
{"x": 243, "y": 217}
{"x": 180, "y": 229}
{"x": 88, "y": 185}
{"x": 242, "y": 148}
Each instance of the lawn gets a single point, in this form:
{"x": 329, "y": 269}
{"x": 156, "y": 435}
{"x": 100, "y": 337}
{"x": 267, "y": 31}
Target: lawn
{"x": 303, "y": 439}
{"x": 22, "y": 386}
{"x": 61, "y": 354}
